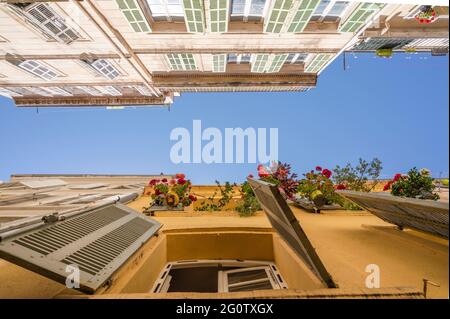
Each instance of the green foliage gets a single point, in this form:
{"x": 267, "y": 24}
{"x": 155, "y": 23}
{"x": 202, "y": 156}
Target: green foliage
{"x": 249, "y": 204}
{"x": 417, "y": 184}
{"x": 226, "y": 194}
{"x": 356, "y": 178}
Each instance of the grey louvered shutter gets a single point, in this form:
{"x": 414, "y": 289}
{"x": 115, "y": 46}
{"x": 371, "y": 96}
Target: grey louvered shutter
{"x": 98, "y": 241}
{"x": 424, "y": 215}
{"x": 286, "y": 224}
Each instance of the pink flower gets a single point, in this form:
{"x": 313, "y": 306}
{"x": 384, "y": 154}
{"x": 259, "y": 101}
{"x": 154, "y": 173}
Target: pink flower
{"x": 318, "y": 168}
{"x": 181, "y": 181}
{"x": 152, "y": 182}
{"x": 173, "y": 182}
{"x": 397, "y": 177}
{"x": 250, "y": 176}
{"x": 327, "y": 173}
{"x": 180, "y": 176}
{"x": 262, "y": 172}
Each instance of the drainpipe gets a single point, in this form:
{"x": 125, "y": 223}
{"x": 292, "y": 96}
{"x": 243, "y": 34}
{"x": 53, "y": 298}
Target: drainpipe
{"x": 121, "y": 40}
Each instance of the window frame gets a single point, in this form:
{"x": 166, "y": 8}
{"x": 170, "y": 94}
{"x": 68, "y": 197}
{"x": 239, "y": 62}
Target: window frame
{"x": 162, "y": 284}
{"x": 246, "y": 14}
{"x": 32, "y": 70}
{"x": 168, "y": 16}
{"x": 325, "y": 14}
{"x": 224, "y": 286}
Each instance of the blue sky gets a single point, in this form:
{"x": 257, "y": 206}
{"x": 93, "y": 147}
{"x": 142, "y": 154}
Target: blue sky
{"x": 394, "y": 109}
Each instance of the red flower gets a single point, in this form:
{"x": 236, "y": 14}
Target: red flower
{"x": 340, "y": 187}
{"x": 152, "y": 182}
{"x": 192, "y": 198}
{"x": 157, "y": 192}
{"x": 327, "y": 173}
{"x": 397, "y": 177}
{"x": 318, "y": 168}
{"x": 180, "y": 176}
{"x": 387, "y": 186}
{"x": 164, "y": 180}
{"x": 181, "y": 181}
{"x": 250, "y": 176}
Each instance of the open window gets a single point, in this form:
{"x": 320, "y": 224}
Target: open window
{"x": 248, "y": 279}
{"x": 218, "y": 276}
{"x": 42, "y": 17}
{"x": 329, "y": 11}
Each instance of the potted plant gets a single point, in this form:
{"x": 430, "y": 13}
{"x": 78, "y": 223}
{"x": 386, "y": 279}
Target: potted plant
{"x": 171, "y": 194}
{"x": 316, "y": 191}
{"x": 249, "y": 204}
{"x": 426, "y": 15}
{"x": 416, "y": 184}
{"x": 280, "y": 174}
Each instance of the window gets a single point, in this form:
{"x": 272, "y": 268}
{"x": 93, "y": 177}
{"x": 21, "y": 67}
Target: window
{"x": 8, "y": 92}
{"x": 166, "y": 10}
{"x": 105, "y": 68}
{"x": 108, "y": 90}
{"x": 143, "y": 90}
{"x": 329, "y": 11}
{"x": 360, "y": 16}
{"x": 42, "y": 16}
{"x": 248, "y": 279}
{"x": 134, "y": 15}
{"x": 89, "y": 90}
{"x": 296, "y": 58}
{"x": 181, "y": 62}
{"x": 37, "y": 91}
{"x": 219, "y": 62}
{"x": 259, "y": 62}
{"x": 193, "y": 10}
{"x": 218, "y": 276}
{"x": 53, "y": 90}
{"x": 248, "y": 9}
{"x": 303, "y": 15}
{"x": 277, "y": 63}
{"x": 218, "y": 15}
{"x": 239, "y": 58}
{"x": 278, "y": 15}
{"x": 318, "y": 62}
{"x": 39, "y": 69}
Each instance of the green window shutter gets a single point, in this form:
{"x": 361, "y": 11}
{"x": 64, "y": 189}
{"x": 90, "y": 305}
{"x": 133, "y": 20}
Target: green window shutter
{"x": 303, "y": 15}
{"x": 134, "y": 15}
{"x": 278, "y": 15}
{"x": 193, "y": 11}
{"x": 318, "y": 62}
{"x": 360, "y": 16}
{"x": 218, "y": 15}
{"x": 219, "y": 62}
